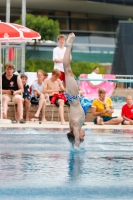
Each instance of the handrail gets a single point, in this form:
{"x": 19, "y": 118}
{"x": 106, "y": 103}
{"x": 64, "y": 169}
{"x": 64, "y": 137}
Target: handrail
{"x": 107, "y": 80}
{"x": 119, "y": 75}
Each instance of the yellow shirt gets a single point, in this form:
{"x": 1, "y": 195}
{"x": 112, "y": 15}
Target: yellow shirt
{"x": 100, "y": 106}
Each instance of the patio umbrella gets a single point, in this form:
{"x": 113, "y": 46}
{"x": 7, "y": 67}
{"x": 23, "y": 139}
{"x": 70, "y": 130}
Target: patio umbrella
{"x": 10, "y": 32}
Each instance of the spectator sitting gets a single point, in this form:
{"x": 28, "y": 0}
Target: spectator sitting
{"x": 85, "y": 102}
{"x": 26, "y": 95}
{"x": 12, "y": 89}
{"x": 102, "y": 108}
{"x": 127, "y": 111}
{"x": 54, "y": 87}
{"x": 44, "y": 77}
{"x": 37, "y": 97}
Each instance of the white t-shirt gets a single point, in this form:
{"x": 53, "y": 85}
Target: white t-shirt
{"x": 36, "y": 86}
{"x": 93, "y": 73}
{"x": 58, "y": 53}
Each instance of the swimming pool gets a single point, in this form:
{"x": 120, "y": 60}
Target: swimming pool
{"x": 41, "y": 164}
{"x": 118, "y": 101}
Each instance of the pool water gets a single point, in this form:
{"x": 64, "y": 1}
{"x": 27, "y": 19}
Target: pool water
{"x": 118, "y": 101}
{"x": 41, "y": 164}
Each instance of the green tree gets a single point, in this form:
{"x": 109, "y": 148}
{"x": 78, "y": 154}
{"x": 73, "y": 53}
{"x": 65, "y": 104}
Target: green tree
{"x": 77, "y": 67}
{"x": 48, "y": 28}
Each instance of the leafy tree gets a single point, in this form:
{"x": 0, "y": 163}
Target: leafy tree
{"x": 77, "y": 67}
{"x": 48, "y": 28}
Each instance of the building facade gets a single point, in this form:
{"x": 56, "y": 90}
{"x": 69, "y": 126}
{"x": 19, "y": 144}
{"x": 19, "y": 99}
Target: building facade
{"x": 94, "y": 22}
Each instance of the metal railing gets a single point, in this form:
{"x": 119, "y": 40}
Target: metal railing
{"x": 126, "y": 81}
{"x": 124, "y": 87}
{"x": 122, "y": 81}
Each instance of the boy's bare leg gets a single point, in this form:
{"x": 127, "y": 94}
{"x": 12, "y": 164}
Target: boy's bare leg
{"x": 27, "y": 107}
{"x": 66, "y": 59}
{"x": 40, "y": 105}
{"x": 71, "y": 85}
{"x": 19, "y": 102}
{"x": 127, "y": 123}
{"x": 61, "y": 111}
{"x": 43, "y": 112}
{"x": 5, "y": 100}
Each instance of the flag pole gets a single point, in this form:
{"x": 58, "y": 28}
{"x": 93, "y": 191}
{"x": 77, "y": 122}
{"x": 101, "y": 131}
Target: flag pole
{"x": 7, "y": 20}
{"x": 23, "y": 43}
{"x": 0, "y": 85}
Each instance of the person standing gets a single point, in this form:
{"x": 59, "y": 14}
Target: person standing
{"x": 58, "y": 54}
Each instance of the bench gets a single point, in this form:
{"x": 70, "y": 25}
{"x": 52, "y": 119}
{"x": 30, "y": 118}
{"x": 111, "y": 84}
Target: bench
{"x": 33, "y": 109}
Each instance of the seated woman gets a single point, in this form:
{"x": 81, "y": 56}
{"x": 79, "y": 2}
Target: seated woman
{"x": 102, "y": 109}
{"x": 77, "y": 116}
{"x": 127, "y": 111}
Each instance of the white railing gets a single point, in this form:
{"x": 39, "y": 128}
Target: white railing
{"x": 122, "y": 81}
{"x": 124, "y": 87}
{"x": 127, "y": 82}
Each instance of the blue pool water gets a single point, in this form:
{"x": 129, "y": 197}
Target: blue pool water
{"x": 41, "y": 164}
{"x": 118, "y": 101}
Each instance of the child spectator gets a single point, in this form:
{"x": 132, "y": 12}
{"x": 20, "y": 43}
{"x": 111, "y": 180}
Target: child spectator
{"x": 37, "y": 97}
{"x": 127, "y": 111}
{"x": 85, "y": 102}
{"x": 58, "y": 54}
{"x": 45, "y": 75}
{"x": 26, "y": 95}
{"x": 54, "y": 87}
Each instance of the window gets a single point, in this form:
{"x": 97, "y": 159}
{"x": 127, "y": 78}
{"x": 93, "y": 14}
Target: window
{"x": 104, "y": 24}
{"x": 78, "y": 24}
{"x": 79, "y": 15}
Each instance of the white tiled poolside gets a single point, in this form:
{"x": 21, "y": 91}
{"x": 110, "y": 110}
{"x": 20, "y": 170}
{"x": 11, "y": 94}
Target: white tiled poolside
{"x": 50, "y": 124}
{"x": 58, "y": 125}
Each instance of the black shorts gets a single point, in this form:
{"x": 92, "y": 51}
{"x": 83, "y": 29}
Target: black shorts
{"x": 104, "y": 118}
{"x": 27, "y": 97}
{"x": 56, "y": 101}
{"x": 34, "y": 100}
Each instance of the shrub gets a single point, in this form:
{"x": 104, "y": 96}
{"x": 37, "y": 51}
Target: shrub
{"x": 48, "y": 65}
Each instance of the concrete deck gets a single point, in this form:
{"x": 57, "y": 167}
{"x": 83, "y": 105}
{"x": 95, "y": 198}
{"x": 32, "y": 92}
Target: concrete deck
{"x": 44, "y": 125}
{"x": 56, "y": 124}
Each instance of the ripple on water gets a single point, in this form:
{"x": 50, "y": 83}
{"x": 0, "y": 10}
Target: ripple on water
{"x": 41, "y": 162}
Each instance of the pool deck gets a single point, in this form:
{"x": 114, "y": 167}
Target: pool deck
{"x": 56, "y": 124}
{"x": 89, "y": 125}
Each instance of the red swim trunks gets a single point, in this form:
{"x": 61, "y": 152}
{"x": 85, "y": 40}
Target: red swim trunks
{"x": 62, "y": 76}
